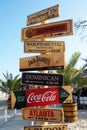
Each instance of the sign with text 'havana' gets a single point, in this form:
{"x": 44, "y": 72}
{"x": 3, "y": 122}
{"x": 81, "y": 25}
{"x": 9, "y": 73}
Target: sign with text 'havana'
{"x": 43, "y": 114}
{"x": 52, "y": 61}
{"x": 43, "y": 46}
{"x": 42, "y": 79}
{"x": 51, "y": 30}
{"x": 47, "y": 127}
{"x": 45, "y": 14}
{"x": 40, "y": 97}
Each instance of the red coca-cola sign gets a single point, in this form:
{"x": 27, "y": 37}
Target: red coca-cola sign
{"x": 41, "y": 97}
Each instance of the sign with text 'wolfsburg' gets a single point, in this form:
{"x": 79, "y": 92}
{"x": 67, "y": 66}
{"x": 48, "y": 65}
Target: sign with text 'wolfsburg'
{"x": 43, "y": 62}
{"x": 47, "y": 127}
{"x": 45, "y": 14}
{"x": 42, "y": 79}
{"x": 51, "y": 30}
{"x": 43, "y": 46}
{"x": 43, "y": 114}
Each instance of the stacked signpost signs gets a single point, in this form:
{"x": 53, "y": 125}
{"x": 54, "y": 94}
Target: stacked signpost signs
{"x": 52, "y": 58}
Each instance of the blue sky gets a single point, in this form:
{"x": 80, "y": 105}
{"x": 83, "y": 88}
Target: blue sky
{"x": 13, "y": 15}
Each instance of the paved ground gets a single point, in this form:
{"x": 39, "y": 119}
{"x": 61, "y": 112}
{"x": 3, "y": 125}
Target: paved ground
{"x": 15, "y": 122}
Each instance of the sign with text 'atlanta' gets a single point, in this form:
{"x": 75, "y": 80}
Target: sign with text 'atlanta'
{"x": 43, "y": 114}
{"x": 42, "y": 79}
{"x": 51, "y": 30}
{"x": 47, "y": 127}
{"x": 45, "y": 14}
{"x": 43, "y": 62}
{"x": 43, "y": 46}
{"x": 40, "y": 97}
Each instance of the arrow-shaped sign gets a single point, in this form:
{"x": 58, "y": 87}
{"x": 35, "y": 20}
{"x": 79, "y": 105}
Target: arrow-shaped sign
{"x": 40, "y": 97}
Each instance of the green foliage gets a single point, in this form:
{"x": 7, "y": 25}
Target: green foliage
{"x": 10, "y": 83}
{"x": 72, "y": 74}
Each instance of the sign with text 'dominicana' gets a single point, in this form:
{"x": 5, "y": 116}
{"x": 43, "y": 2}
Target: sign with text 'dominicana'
{"x": 40, "y": 97}
{"x": 52, "y": 61}
{"x": 51, "y": 30}
{"x": 47, "y": 127}
{"x": 43, "y": 46}
{"x": 43, "y": 114}
{"x": 42, "y": 79}
{"x": 45, "y": 14}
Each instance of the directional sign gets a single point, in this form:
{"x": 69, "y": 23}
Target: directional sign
{"x": 40, "y": 97}
{"x": 42, "y": 79}
{"x": 54, "y": 61}
{"x": 56, "y": 29}
{"x": 40, "y": 114}
{"x": 43, "y": 46}
{"x": 45, "y": 14}
{"x": 47, "y": 127}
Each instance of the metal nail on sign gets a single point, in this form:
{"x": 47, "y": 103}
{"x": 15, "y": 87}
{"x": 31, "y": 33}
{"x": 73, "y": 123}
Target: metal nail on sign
{"x": 56, "y": 29}
{"x": 45, "y": 14}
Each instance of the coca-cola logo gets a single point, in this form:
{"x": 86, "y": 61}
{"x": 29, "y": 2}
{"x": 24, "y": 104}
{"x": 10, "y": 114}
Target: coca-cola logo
{"x": 45, "y": 97}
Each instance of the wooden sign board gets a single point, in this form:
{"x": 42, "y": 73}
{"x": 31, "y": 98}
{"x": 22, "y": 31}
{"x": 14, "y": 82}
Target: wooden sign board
{"x": 40, "y": 114}
{"x": 52, "y": 61}
{"x": 40, "y": 97}
{"x": 47, "y": 127}
{"x": 42, "y": 79}
{"x": 51, "y": 30}
{"x": 43, "y": 46}
{"x": 45, "y": 14}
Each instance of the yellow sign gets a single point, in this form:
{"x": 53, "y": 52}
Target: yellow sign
{"x": 45, "y": 14}
{"x": 43, "y": 46}
{"x": 47, "y": 127}
{"x": 39, "y": 114}
{"x": 43, "y": 62}
{"x": 51, "y": 30}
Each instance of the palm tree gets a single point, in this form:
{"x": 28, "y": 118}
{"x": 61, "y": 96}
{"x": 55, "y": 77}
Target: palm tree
{"x": 72, "y": 74}
{"x": 10, "y": 83}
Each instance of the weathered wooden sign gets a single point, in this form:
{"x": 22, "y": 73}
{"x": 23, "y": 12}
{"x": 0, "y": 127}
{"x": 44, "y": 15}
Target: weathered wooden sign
{"x": 40, "y": 97}
{"x": 47, "y": 127}
{"x": 42, "y": 79}
{"x": 54, "y": 61}
{"x": 43, "y": 46}
{"x": 45, "y": 14}
{"x": 40, "y": 114}
{"x": 56, "y": 29}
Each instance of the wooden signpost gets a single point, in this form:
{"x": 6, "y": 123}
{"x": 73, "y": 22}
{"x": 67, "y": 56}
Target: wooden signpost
{"x": 42, "y": 79}
{"x": 43, "y": 62}
{"x": 51, "y": 30}
{"x": 45, "y": 14}
{"x": 40, "y": 97}
{"x": 43, "y": 46}
{"x": 40, "y": 114}
{"x": 47, "y": 127}
{"x": 52, "y": 58}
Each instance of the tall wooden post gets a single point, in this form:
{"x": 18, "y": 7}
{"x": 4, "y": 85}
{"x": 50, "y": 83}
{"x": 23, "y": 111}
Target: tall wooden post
{"x": 44, "y": 71}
